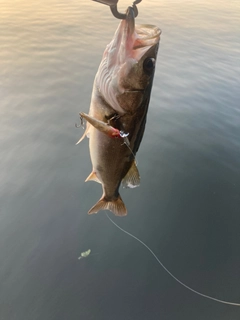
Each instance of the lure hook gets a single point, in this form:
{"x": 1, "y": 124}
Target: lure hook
{"x": 81, "y": 123}
{"x": 113, "y": 7}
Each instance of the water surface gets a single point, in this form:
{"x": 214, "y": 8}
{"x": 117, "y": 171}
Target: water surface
{"x": 187, "y": 207}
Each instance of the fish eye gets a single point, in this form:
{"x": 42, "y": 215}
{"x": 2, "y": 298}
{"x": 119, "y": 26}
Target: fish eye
{"x": 149, "y": 65}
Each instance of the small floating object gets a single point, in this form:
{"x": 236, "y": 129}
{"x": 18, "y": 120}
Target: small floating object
{"x": 85, "y": 254}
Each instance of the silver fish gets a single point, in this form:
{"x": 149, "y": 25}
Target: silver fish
{"x": 120, "y": 99}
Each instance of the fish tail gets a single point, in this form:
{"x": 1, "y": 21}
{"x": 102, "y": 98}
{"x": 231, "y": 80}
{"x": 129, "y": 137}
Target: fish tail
{"x": 117, "y": 206}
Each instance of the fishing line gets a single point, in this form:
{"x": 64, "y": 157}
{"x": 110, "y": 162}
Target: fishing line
{"x": 127, "y": 143}
{"x": 175, "y": 278}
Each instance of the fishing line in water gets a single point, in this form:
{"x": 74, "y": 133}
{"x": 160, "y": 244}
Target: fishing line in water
{"x": 171, "y": 275}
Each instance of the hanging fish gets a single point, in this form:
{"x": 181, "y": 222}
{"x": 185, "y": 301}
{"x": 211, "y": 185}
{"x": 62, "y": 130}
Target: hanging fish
{"x": 120, "y": 99}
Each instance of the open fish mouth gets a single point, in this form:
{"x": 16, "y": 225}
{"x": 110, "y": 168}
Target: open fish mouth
{"x": 128, "y": 64}
{"x": 148, "y": 35}
{"x": 131, "y": 40}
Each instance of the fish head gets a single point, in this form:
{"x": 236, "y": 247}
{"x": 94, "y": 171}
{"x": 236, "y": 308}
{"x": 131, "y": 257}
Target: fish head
{"x": 126, "y": 72}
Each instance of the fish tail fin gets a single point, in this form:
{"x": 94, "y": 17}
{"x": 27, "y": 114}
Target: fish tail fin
{"x": 117, "y": 206}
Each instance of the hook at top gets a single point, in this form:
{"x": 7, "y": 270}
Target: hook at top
{"x": 113, "y": 7}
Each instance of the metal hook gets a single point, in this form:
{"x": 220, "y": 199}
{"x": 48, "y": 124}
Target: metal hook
{"x": 114, "y": 10}
{"x": 81, "y": 123}
{"x": 123, "y": 16}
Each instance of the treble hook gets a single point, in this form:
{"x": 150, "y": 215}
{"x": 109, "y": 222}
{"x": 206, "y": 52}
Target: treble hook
{"x": 81, "y": 123}
{"x": 113, "y": 7}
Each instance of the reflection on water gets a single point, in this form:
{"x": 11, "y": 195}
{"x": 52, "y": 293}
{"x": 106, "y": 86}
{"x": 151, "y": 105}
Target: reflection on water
{"x": 187, "y": 208}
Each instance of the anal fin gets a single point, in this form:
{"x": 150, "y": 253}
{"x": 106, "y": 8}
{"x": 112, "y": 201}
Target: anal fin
{"x": 132, "y": 178}
{"x": 93, "y": 177}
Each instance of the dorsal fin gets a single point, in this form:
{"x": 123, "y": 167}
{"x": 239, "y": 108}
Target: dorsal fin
{"x": 132, "y": 178}
{"x": 93, "y": 177}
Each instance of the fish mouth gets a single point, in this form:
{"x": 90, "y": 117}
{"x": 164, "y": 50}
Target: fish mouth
{"x": 131, "y": 40}
{"x": 122, "y": 78}
{"x": 130, "y": 20}
{"x": 135, "y": 39}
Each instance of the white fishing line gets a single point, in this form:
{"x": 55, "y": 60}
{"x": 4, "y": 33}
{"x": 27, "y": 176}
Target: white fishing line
{"x": 127, "y": 143}
{"x": 175, "y": 278}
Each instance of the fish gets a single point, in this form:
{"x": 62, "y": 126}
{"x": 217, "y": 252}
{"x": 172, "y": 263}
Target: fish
{"x": 120, "y": 99}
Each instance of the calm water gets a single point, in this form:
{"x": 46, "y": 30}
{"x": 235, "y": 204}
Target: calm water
{"x": 187, "y": 208}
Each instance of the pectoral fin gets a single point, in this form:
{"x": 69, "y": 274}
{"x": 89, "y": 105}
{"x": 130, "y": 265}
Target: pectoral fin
{"x": 132, "y": 178}
{"x": 93, "y": 177}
